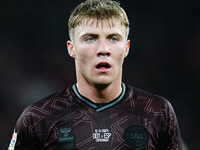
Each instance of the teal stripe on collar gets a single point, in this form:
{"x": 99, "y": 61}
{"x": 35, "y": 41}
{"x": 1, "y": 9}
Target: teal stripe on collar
{"x": 112, "y": 103}
{"x": 82, "y": 98}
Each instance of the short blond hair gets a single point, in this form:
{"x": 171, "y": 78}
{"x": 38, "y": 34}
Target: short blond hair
{"x": 97, "y": 9}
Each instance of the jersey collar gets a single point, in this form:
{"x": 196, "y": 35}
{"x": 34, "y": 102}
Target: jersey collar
{"x": 95, "y": 106}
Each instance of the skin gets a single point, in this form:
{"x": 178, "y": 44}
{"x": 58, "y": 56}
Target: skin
{"x": 99, "y": 42}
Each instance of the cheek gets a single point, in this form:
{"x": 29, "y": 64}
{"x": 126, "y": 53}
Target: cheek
{"x": 120, "y": 55}
{"x": 84, "y": 57}
{"x": 120, "y": 59}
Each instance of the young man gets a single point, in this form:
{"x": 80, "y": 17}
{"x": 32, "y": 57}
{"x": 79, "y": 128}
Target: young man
{"x": 99, "y": 111}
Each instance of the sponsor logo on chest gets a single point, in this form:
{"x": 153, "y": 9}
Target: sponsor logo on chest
{"x": 102, "y": 135}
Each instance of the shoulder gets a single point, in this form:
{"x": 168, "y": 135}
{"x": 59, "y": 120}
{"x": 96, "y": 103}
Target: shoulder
{"x": 150, "y": 101}
{"x": 151, "y": 106}
{"x": 50, "y": 106}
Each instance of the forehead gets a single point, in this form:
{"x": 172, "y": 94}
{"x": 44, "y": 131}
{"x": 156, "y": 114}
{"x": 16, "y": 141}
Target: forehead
{"x": 106, "y": 26}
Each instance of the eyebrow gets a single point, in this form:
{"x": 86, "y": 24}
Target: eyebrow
{"x": 115, "y": 34}
{"x": 96, "y": 35}
{"x": 89, "y": 34}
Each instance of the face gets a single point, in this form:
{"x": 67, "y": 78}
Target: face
{"x": 99, "y": 49}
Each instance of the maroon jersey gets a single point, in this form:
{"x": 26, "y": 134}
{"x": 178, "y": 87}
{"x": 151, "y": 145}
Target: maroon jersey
{"x": 67, "y": 120}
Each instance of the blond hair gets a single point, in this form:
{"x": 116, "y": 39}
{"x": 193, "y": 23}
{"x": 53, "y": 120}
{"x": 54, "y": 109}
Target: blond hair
{"x": 97, "y": 9}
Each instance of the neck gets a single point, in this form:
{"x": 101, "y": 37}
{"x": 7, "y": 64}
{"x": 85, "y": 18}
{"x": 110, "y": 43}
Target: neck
{"x": 100, "y": 94}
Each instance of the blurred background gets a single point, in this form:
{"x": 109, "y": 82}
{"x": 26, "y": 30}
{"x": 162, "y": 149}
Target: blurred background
{"x": 164, "y": 58}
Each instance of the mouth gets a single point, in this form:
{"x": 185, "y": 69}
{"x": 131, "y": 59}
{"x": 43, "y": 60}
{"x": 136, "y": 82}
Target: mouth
{"x": 103, "y": 66}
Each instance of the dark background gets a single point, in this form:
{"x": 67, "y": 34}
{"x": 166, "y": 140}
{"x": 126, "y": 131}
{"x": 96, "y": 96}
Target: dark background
{"x": 164, "y": 56}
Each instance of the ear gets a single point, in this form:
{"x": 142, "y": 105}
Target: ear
{"x": 70, "y": 48}
{"x": 127, "y": 48}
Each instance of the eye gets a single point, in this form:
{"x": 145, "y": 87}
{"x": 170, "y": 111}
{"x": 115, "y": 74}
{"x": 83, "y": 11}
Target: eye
{"x": 113, "y": 39}
{"x": 90, "y": 39}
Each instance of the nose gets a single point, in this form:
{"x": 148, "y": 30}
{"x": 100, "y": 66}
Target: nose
{"x": 103, "y": 53}
{"x": 103, "y": 49}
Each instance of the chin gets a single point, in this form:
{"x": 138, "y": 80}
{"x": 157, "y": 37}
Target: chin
{"x": 102, "y": 84}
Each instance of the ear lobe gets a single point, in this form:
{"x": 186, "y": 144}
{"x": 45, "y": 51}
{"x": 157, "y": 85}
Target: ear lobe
{"x": 127, "y": 48}
{"x": 70, "y": 48}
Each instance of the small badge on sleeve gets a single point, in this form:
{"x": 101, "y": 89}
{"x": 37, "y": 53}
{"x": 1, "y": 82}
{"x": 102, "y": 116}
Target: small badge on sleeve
{"x": 136, "y": 136}
{"x": 13, "y": 141}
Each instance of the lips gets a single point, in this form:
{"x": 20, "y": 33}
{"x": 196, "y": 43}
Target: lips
{"x": 103, "y": 67}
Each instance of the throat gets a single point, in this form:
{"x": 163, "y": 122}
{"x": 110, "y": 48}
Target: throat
{"x": 103, "y": 94}
{"x": 100, "y": 93}
{"x": 101, "y": 104}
